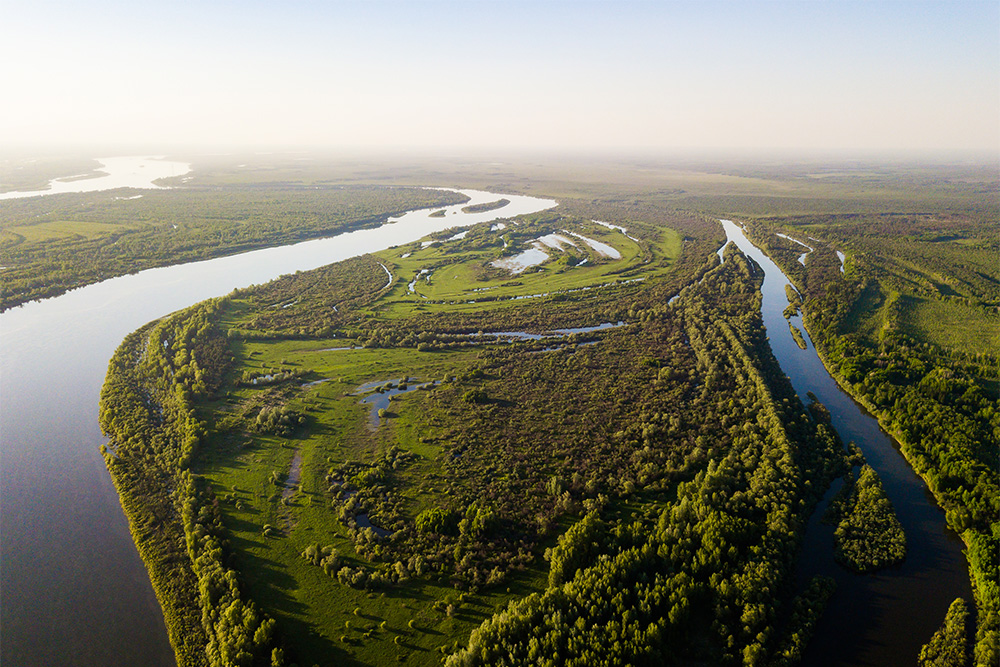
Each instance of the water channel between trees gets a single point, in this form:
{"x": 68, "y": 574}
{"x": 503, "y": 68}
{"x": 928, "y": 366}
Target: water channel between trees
{"x": 74, "y": 590}
{"x": 876, "y": 619}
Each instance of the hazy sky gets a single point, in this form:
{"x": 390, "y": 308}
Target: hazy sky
{"x": 806, "y": 74}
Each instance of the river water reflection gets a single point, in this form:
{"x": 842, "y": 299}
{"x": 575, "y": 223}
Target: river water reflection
{"x": 881, "y": 619}
{"x": 114, "y": 172}
{"x": 73, "y": 590}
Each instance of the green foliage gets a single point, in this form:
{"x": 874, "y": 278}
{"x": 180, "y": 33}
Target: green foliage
{"x": 794, "y": 302}
{"x": 147, "y": 411}
{"x": 174, "y": 226}
{"x": 690, "y": 582}
{"x": 277, "y": 420}
{"x": 948, "y": 647}
{"x": 797, "y": 336}
{"x": 676, "y": 438}
{"x": 806, "y": 611}
{"x": 479, "y": 522}
{"x": 436, "y": 520}
{"x": 868, "y": 535}
{"x": 905, "y": 331}
{"x": 578, "y": 547}
{"x": 487, "y": 206}
{"x": 475, "y": 396}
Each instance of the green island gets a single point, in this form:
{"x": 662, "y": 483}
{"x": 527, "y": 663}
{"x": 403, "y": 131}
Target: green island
{"x": 330, "y": 470}
{"x": 868, "y": 536}
{"x": 947, "y": 646}
{"x": 794, "y": 303}
{"x": 909, "y": 326}
{"x": 486, "y": 206}
{"x": 797, "y": 336}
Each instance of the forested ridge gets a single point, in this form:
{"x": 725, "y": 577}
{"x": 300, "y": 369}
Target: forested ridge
{"x": 701, "y": 577}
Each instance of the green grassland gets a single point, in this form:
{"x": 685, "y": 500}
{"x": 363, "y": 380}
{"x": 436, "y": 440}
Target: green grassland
{"x": 461, "y": 278}
{"x": 316, "y": 612}
{"x": 912, "y": 330}
{"x": 59, "y": 230}
{"x": 319, "y": 613}
{"x": 933, "y": 278}
{"x": 238, "y": 202}
{"x": 944, "y": 324}
{"x": 480, "y": 475}
{"x": 541, "y": 481}
{"x": 951, "y": 325}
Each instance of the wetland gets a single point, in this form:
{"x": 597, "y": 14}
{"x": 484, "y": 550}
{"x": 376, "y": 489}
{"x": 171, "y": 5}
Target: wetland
{"x": 634, "y": 402}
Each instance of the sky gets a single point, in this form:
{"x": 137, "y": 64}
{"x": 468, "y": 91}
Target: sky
{"x": 573, "y": 74}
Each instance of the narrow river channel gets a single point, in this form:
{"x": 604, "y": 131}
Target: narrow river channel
{"x": 881, "y": 619}
{"x": 73, "y": 589}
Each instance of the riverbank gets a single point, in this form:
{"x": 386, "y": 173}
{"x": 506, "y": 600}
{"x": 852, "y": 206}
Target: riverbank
{"x": 146, "y": 489}
{"x": 58, "y": 497}
{"x": 56, "y": 244}
{"x": 433, "y": 454}
{"x": 913, "y": 406}
{"x": 981, "y": 569}
{"x": 876, "y": 611}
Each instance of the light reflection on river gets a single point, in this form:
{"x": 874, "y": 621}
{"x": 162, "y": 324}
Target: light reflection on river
{"x": 72, "y": 588}
{"x": 884, "y": 618}
{"x": 114, "y": 172}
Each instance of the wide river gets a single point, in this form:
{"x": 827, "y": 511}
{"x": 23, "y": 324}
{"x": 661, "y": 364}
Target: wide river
{"x": 114, "y": 172}
{"x": 73, "y": 590}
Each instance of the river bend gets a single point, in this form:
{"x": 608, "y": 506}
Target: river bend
{"x": 877, "y": 619}
{"x": 73, "y": 590}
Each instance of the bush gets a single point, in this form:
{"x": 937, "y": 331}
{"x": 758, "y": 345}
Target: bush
{"x": 476, "y": 396}
{"x": 436, "y": 520}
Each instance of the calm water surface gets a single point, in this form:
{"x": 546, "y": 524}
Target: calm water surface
{"x": 73, "y": 590}
{"x": 114, "y": 172}
{"x": 881, "y": 619}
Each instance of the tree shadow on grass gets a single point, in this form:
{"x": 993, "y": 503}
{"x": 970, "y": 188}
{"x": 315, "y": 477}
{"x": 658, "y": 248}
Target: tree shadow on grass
{"x": 268, "y": 579}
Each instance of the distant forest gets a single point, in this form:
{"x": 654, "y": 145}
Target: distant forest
{"x": 624, "y": 495}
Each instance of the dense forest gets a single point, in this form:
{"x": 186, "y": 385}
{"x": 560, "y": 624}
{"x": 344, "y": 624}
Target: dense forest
{"x": 595, "y": 461}
{"x": 677, "y": 468}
